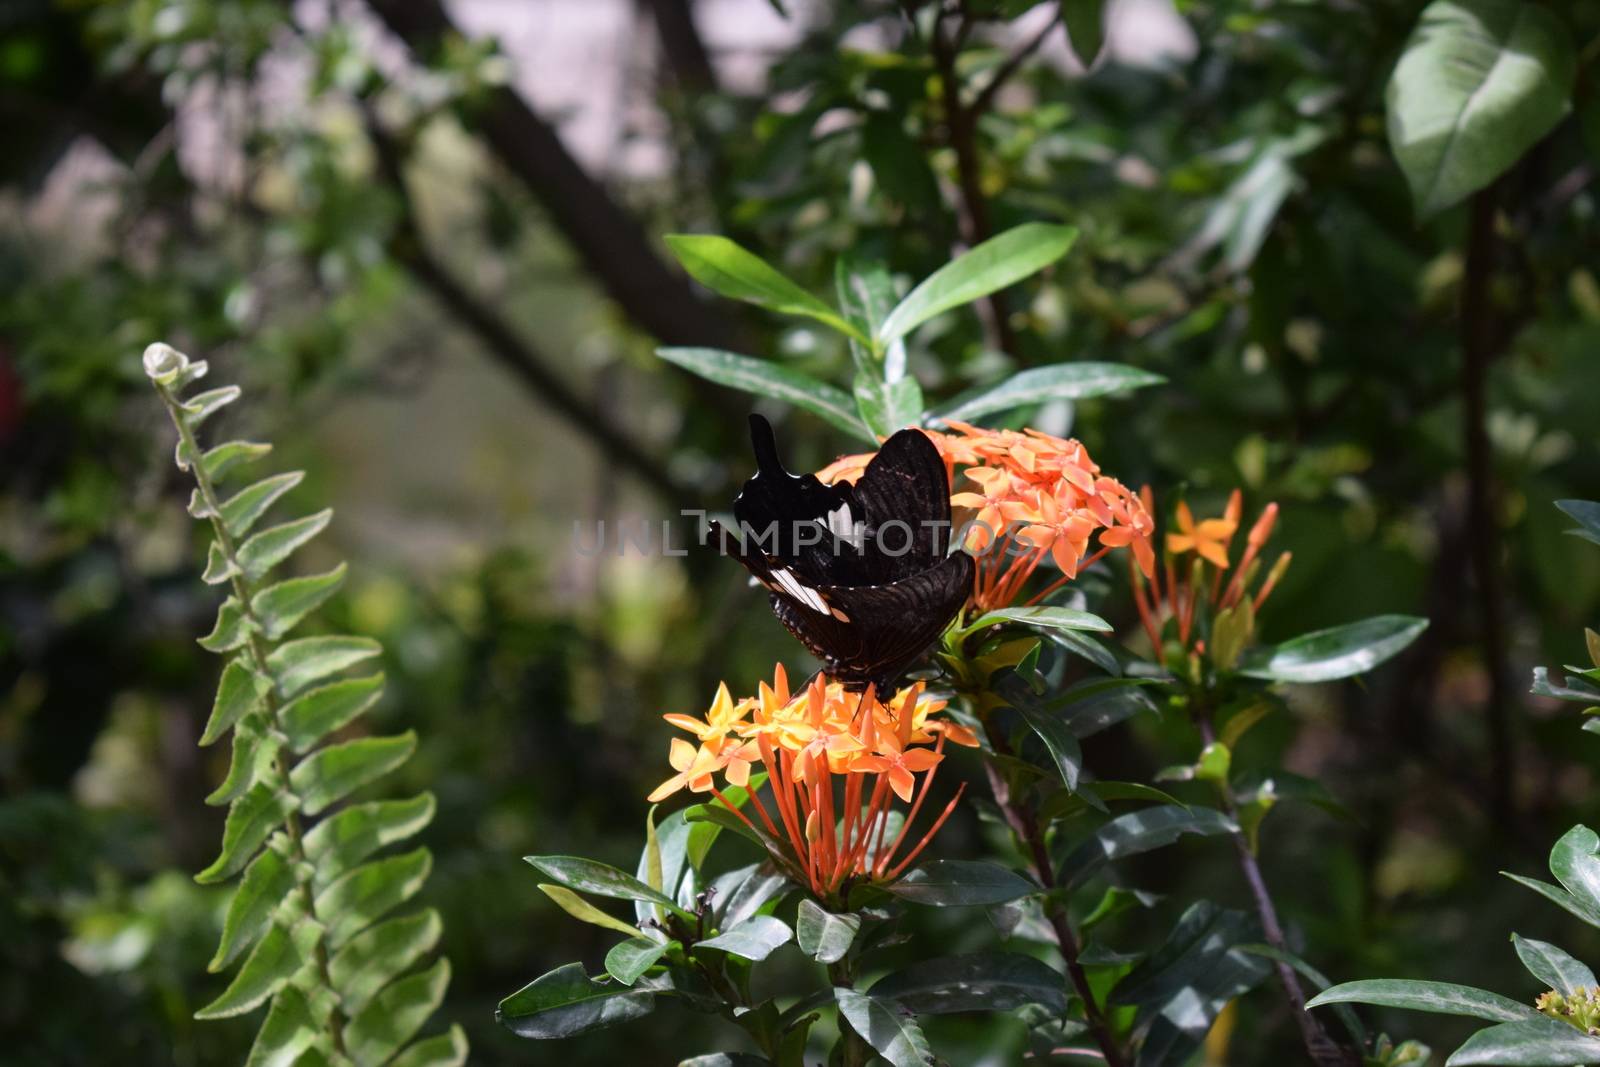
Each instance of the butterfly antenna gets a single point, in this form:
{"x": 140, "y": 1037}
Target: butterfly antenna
{"x": 765, "y": 444}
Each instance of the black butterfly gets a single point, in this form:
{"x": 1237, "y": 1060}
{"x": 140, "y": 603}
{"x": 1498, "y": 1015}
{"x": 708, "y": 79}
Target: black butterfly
{"x": 861, "y": 574}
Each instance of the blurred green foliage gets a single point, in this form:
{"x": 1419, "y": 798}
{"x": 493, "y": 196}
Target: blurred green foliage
{"x": 213, "y": 172}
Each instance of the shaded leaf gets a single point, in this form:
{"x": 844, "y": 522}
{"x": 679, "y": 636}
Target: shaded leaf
{"x": 448, "y": 1049}
{"x": 280, "y": 607}
{"x": 1552, "y": 966}
{"x": 360, "y": 897}
{"x": 274, "y": 960}
{"x": 1339, "y": 652}
{"x": 985, "y": 981}
{"x": 1037, "y": 385}
{"x": 333, "y": 773}
{"x": 1441, "y": 998}
{"x": 566, "y": 1001}
{"x": 270, "y": 547}
{"x": 296, "y": 664}
{"x": 251, "y": 820}
{"x": 773, "y": 380}
{"x": 376, "y": 955}
{"x": 961, "y": 883}
{"x": 894, "y": 1034}
{"x": 629, "y": 959}
{"x": 823, "y": 935}
{"x": 1536, "y": 1042}
{"x": 383, "y": 1027}
{"x": 754, "y": 939}
{"x": 309, "y": 717}
{"x": 238, "y": 692}
{"x": 343, "y": 840}
{"x": 603, "y": 880}
{"x": 266, "y": 882}
{"x": 287, "y": 1033}
{"x": 582, "y": 910}
{"x": 240, "y": 512}
{"x": 731, "y": 271}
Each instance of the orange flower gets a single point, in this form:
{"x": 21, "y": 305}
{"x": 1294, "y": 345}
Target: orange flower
{"x": 878, "y": 748}
{"x": 1208, "y": 538}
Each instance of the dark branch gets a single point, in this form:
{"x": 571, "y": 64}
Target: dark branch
{"x": 682, "y": 46}
{"x": 501, "y": 341}
{"x": 610, "y": 242}
{"x": 1013, "y": 63}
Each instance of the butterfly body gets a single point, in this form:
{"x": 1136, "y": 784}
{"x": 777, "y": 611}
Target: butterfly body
{"x": 861, "y": 574}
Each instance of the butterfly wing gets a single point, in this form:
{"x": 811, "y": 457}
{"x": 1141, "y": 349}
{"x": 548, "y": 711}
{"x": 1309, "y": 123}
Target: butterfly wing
{"x": 904, "y": 498}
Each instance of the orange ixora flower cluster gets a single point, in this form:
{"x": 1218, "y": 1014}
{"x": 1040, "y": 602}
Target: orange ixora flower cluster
{"x": 1031, "y": 495}
{"x": 807, "y": 743}
{"x": 1189, "y": 582}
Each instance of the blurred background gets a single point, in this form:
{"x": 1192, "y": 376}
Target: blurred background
{"x": 425, "y": 238}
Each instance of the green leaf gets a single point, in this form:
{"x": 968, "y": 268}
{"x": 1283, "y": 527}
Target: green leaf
{"x": 822, "y": 935}
{"x": 600, "y": 879}
{"x": 218, "y": 462}
{"x": 583, "y": 911}
{"x": 359, "y": 898}
{"x": 383, "y": 1027}
{"x": 1587, "y": 515}
{"x": 219, "y": 568}
{"x": 254, "y": 751}
{"x": 1042, "y": 618}
{"x": 985, "y": 981}
{"x": 961, "y": 883}
{"x": 763, "y": 378}
{"x": 1143, "y": 831}
{"x": 991, "y": 266}
{"x": 1552, "y": 966}
{"x": 1536, "y": 1042}
{"x": 898, "y": 163}
{"x": 251, "y": 820}
{"x": 296, "y": 664}
{"x": 200, "y": 407}
{"x": 1058, "y": 739}
{"x": 238, "y": 692}
{"x": 865, "y": 292}
{"x": 1351, "y": 1021}
{"x": 448, "y": 1049}
{"x": 1575, "y": 861}
{"x": 240, "y": 512}
{"x": 233, "y": 628}
{"x": 1060, "y": 381}
{"x": 267, "y": 881}
{"x": 1557, "y": 895}
{"x": 887, "y": 406}
{"x": 629, "y": 959}
{"x": 280, "y": 607}
{"x": 317, "y": 712}
{"x": 377, "y": 954}
{"x": 729, "y": 270}
{"x": 287, "y": 1034}
{"x": 1441, "y": 998}
{"x": 270, "y": 965}
{"x": 895, "y": 1036}
{"x": 1339, "y": 652}
{"x": 270, "y": 547}
{"x": 1086, "y": 27}
{"x": 566, "y": 1002}
{"x": 343, "y": 840}
{"x": 1479, "y": 82}
{"x": 333, "y": 773}
{"x": 754, "y": 939}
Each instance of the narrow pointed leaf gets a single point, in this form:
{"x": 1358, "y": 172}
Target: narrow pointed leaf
{"x": 361, "y": 897}
{"x": 1441, "y": 998}
{"x": 1552, "y": 966}
{"x": 287, "y": 1034}
{"x": 1339, "y": 652}
{"x": 375, "y": 956}
{"x": 1536, "y": 1042}
{"x": 1558, "y": 896}
{"x": 991, "y": 266}
{"x": 296, "y": 664}
{"x": 280, "y": 607}
{"x": 318, "y": 712}
{"x": 1042, "y": 618}
{"x": 1143, "y": 831}
{"x": 233, "y": 628}
{"x": 240, "y": 512}
{"x": 763, "y": 378}
{"x": 985, "y": 981}
{"x": 270, "y": 547}
{"x": 200, "y": 407}
{"x": 583, "y": 911}
{"x": 333, "y": 773}
{"x": 887, "y": 406}
{"x": 341, "y": 841}
{"x": 218, "y": 567}
{"x": 448, "y": 1049}
{"x": 961, "y": 883}
{"x": 600, "y": 879}
{"x": 1036, "y": 385}
{"x": 254, "y": 752}
{"x": 566, "y": 1001}
{"x": 271, "y": 964}
{"x": 383, "y": 1027}
{"x": 251, "y": 820}
{"x": 267, "y": 881}
{"x": 731, "y": 271}
{"x": 222, "y": 460}
{"x": 239, "y": 692}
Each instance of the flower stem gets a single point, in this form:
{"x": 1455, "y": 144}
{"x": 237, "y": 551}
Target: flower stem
{"x": 256, "y": 646}
{"x": 1024, "y": 822}
{"x": 1323, "y": 1050}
